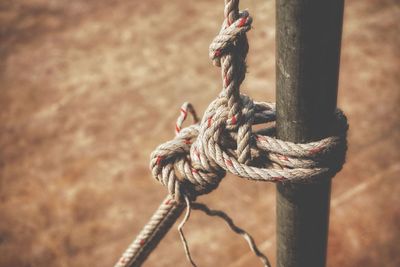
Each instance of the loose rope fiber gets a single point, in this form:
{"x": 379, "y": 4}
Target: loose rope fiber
{"x": 196, "y": 160}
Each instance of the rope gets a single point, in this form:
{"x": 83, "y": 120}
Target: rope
{"x": 195, "y": 161}
{"x": 159, "y": 224}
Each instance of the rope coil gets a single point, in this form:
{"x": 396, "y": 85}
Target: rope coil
{"x": 200, "y": 155}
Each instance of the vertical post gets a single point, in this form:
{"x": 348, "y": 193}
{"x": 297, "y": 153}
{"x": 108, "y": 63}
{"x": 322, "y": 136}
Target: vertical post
{"x": 308, "y": 36}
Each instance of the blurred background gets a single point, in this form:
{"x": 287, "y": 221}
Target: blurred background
{"x": 89, "y": 88}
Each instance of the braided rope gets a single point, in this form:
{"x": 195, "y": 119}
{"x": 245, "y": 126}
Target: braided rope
{"x": 159, "y": 224}
{"x": 195, "y": 161}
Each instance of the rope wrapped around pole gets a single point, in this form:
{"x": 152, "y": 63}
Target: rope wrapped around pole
{"x": 195, "y": 161}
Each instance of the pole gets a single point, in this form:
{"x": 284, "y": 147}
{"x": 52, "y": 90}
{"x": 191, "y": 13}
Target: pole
{"x": 308, "y": 36}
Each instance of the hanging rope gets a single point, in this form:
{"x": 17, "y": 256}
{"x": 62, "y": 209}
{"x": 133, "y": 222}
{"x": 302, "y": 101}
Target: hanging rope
{"x": 196, "y": 160}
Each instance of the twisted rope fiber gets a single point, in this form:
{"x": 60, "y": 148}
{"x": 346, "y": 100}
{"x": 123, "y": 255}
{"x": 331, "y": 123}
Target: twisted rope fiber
{"x": 196, "y": 160}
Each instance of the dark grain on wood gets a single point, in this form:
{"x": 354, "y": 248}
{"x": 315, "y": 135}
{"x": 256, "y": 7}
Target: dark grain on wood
{"x": 308, "y": 51}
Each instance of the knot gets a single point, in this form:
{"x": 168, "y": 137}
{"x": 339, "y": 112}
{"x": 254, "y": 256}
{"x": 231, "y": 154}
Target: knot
{"x": 195, "y": 161}
{"x": 228, "y": 37}
{"x": 172, "y": 165}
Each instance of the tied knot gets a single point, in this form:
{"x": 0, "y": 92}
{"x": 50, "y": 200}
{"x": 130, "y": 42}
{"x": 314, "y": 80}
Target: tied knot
{"x": 231, "y": 36}
{"x": 195, "y": 161}
{"x": 173, "y": 166}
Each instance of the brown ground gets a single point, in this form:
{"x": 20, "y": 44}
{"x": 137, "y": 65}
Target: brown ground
{"x": 89, "y": 88}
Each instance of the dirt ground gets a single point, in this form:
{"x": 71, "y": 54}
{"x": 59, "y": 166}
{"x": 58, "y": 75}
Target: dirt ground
{"x": 89, "y": 88}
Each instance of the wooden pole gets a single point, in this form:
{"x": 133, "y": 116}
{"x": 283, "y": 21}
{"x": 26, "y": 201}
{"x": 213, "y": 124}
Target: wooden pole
{"x": 308, "y": 34}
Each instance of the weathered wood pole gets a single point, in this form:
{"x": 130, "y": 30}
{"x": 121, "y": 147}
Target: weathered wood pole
{"x": 308, "y": 37}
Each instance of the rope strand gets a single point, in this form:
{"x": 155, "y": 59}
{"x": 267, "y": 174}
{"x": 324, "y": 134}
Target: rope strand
{"x": 182, "y": 235}
{"x": 249, "y": 239}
